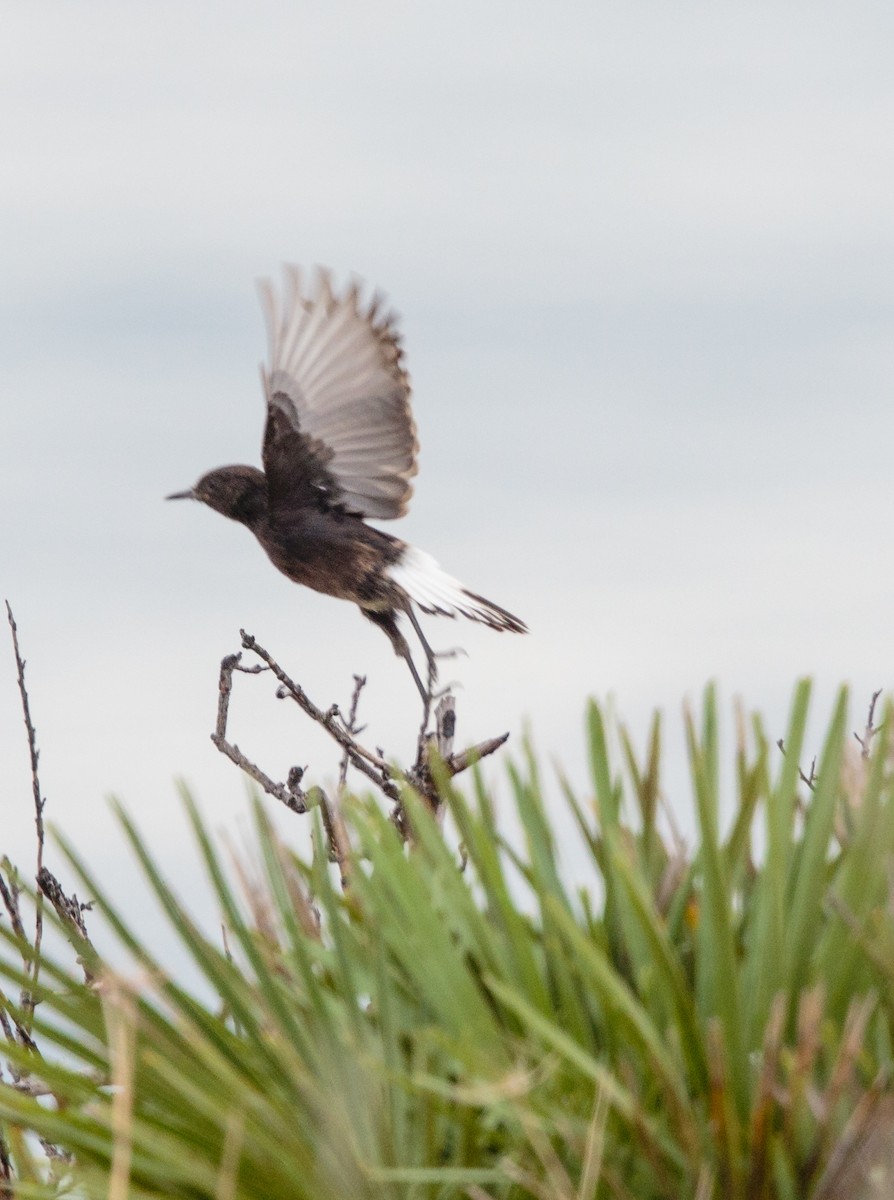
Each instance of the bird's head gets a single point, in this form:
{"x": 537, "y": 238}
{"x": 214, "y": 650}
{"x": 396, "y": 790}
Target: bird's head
{"x": 238, "y": 492}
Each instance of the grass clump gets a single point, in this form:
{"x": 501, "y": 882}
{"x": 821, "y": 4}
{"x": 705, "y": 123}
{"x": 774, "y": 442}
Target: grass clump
{"x": 713, "y": 1022}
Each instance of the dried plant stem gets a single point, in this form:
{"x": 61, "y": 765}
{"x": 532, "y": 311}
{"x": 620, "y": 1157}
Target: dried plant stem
{"x": 353, "y": 729}
{"x": 871, "y": 728}
{"x": 289, "y": 794}
{"x": 68, "y": 908}
{"x": 32, "y": 965}
{"x": 386, "y": 777}
{"x": 370, "y": 765}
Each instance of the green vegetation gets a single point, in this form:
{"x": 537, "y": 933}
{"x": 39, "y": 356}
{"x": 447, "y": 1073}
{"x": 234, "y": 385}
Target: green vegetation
{"x": 707, "y": 1023}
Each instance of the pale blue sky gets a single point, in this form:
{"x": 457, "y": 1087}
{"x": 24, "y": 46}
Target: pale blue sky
{"x": 644, "y": 260}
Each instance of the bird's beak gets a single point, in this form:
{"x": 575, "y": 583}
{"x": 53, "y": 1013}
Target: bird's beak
{"x": 190, "y": 495}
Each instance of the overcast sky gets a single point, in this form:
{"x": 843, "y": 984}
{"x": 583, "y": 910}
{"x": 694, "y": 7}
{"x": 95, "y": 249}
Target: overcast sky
{"x": 643, "y": 256}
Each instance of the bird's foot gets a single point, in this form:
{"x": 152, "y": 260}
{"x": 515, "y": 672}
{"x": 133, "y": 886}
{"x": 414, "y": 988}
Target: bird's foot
{"x": 455, "y": 652}
{"x": 432, "y": 657}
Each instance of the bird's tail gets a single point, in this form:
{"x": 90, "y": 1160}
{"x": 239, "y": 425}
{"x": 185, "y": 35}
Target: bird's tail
{"x": 434, "y": 591}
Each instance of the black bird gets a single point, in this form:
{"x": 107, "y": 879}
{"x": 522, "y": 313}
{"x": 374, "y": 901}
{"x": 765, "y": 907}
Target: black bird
{"x": 340, "y": 445}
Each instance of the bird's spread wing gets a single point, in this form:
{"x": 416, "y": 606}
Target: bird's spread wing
{"x": 339, "y": 426}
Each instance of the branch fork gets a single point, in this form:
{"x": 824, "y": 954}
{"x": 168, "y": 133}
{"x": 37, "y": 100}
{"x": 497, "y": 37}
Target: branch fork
{"x": 384, "y": 775}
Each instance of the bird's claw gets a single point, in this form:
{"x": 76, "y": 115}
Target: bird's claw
{"x": 456, "y": 652}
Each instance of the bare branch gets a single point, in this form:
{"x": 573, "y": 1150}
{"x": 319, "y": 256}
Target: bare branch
{"x": 9, "y": 893}
{"x": 337, "y": 841}
{"x": 290, "y": 794}
{"x": 459, "y": 762}
{"x": 14, "y": 1028}
{"x": 32, "y": 966}
{"x": 329, "y": 720}
{"x": 70, "y": 912}
{"x": 809, "y": 780}
{"x": 15, "y": 1031}
{"x": 343, "y": 731}
{"x": 293, "y": 798}
{"x": 352, "y": 728}
{"x": 333, "y": 822}
{"x": 871, "y": 729}
{"x": 442, "y": 742}
{"x": 445, "y": 725}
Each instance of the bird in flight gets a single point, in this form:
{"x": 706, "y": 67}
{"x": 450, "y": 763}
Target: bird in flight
{"x": 340, "y": 446}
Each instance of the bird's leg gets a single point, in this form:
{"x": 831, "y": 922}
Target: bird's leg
{"x": 425, "y": 694}
{"x": 430, "y": 655}
{"x": 387, "y": 623}
{"x": 432, "y": 660}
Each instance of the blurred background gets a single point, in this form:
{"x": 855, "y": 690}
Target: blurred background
{"x": 643, "y": 257}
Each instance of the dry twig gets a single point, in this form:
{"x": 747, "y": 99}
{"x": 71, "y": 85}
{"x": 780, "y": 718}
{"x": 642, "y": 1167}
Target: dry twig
{"x": 353, "y": 729}
{"x": 809, "y": 780}
{"x": 871, "y": 729}
{"x": 68, "y": 908}
{"x": 290, "y": 794}
{"x": 15, "y": 1028}
{"x": 865, "y": 741}
{"x": 386, "y": 777}
{"x": 32, "y": 965}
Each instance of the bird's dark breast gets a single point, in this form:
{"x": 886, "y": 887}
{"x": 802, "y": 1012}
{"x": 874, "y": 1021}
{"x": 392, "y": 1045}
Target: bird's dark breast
{"x": 336, "y": 554}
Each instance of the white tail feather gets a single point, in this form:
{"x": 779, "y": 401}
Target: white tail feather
{"x": 436, "y": 592}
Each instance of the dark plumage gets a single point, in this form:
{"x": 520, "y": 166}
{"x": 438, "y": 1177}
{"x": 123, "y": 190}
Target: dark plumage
{"x": 340, "y": 445}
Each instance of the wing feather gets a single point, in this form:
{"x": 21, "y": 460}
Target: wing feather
{"x": 336, "y": 374}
